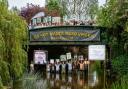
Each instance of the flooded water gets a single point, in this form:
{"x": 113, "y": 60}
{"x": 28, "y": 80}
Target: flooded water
{"x": 80, "y": 80}
{"x": 89, "y": 79}
{"x": 77, "y": 81}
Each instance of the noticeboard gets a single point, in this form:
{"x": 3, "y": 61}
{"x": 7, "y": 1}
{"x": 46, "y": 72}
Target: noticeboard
{"x": 96, "y": 52}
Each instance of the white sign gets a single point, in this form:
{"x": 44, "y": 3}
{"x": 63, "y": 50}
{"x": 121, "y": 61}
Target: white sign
{"x": 52, "y": 61}
{"x": 81, "y": 57}
{"x": 63, "y": 57}
{"x": 68, "y": 55}
{"x": 57, "y": 60}
{"x": 96, "y": 52}
{"x": 39, "y": 57}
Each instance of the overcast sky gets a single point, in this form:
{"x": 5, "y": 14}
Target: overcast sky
{"x": 22, "y": 3}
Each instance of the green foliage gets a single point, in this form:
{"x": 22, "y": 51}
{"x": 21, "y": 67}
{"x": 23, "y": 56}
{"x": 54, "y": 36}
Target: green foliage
{"x": 120, "y": 65}
{"x": 1, "y": 85}
{"x": 109, "y": 14}
{"x": 126, "y": 27}
{"x": 121, "y": 84}
{"x": 92, "y": 8}
{"x": 113, "y": 15}
{"x": 54, "y": 6}
{"x": 97, "y": 67}
{"x": 13, "y": 35}
{"x": 4, "y": 73}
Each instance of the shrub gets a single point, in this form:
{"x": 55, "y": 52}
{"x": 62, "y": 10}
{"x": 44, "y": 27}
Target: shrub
{"x": 1, "y": 84}
{"x": 120, "y": 65}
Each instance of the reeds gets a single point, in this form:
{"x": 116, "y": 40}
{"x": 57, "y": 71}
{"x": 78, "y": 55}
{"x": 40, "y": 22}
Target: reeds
{"x": 121, "y": 84}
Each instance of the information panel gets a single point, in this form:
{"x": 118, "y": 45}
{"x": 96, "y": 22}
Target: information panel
{"x": 40, "y": 57}
{"x": 96, "y": 52}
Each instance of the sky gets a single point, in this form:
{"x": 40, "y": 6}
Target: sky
{"x": 22, "y": 3}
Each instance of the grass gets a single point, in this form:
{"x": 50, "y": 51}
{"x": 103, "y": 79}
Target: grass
{"x": 121, "y": 84}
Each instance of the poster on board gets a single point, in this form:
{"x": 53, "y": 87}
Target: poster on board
{"x": 57, "y": 60}
{"x": 63, "y": 57}
{"x": 96, "y": 52}
{"x": 40, "y": 56}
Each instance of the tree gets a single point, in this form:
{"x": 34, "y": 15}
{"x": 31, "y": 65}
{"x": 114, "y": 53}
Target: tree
{"x": 114, "y": 15}
{"x": 80, "y": 9}
{"x": 55, "y": 9}
{"x": 13, "y": 35}
{"x": 28, "y": 12}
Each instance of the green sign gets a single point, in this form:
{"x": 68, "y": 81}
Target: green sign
{"x": 65, "y": 35}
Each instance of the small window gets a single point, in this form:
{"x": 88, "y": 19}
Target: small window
{"x": 38, "y": 20}
{"x": 42, "y": 19}
{"x": 34, "y": 21}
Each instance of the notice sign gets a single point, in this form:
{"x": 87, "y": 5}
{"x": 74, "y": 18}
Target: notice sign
{"x": 39, "y": 57}
{"x": 68, "y": 55}
{"x": 57, "y": 60}
{"x": 96, "y": 52}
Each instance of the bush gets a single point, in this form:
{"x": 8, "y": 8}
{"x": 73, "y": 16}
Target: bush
{"x": 1, "y": 84}
{"x": 120, "y": 65}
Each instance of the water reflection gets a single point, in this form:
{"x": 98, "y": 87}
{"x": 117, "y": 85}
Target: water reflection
{"x": 93, "y": 79}
{"x": 81, "y": 80}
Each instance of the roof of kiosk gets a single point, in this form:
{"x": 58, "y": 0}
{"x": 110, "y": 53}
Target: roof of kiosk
{"x": 40, "y": 14}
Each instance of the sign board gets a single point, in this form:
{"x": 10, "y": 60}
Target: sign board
{"x": 68, "y": 55}
{"x": 52, "y": 61}
{"x": 57, "y": 60}
{"x": 40, "y": 57}
{"x": 65, "y": 35}
{"x": 96, "y": 52}
{"x": 63, "y": 57}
